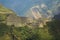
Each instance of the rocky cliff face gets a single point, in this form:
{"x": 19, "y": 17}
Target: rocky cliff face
{"x": 18, "y": 21}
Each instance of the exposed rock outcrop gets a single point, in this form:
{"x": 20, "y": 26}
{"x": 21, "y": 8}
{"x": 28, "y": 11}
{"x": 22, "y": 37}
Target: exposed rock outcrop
{"x": 18, "y": 21}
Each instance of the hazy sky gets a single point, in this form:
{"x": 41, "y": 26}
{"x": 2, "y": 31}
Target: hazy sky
{"x": 21, "y": 6}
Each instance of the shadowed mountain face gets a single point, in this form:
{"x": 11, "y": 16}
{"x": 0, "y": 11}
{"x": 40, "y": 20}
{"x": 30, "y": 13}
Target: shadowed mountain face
{"x": 57, "y": 16}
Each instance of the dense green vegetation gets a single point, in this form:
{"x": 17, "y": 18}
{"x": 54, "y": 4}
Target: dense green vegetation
{"x": 25, "y": 33}
{"x": 51, "y": 31}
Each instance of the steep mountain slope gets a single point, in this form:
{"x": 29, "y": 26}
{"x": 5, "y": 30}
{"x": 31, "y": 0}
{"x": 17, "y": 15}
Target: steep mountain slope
{"x": 57, "y": 16}
{"x": 5, "y": 12}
